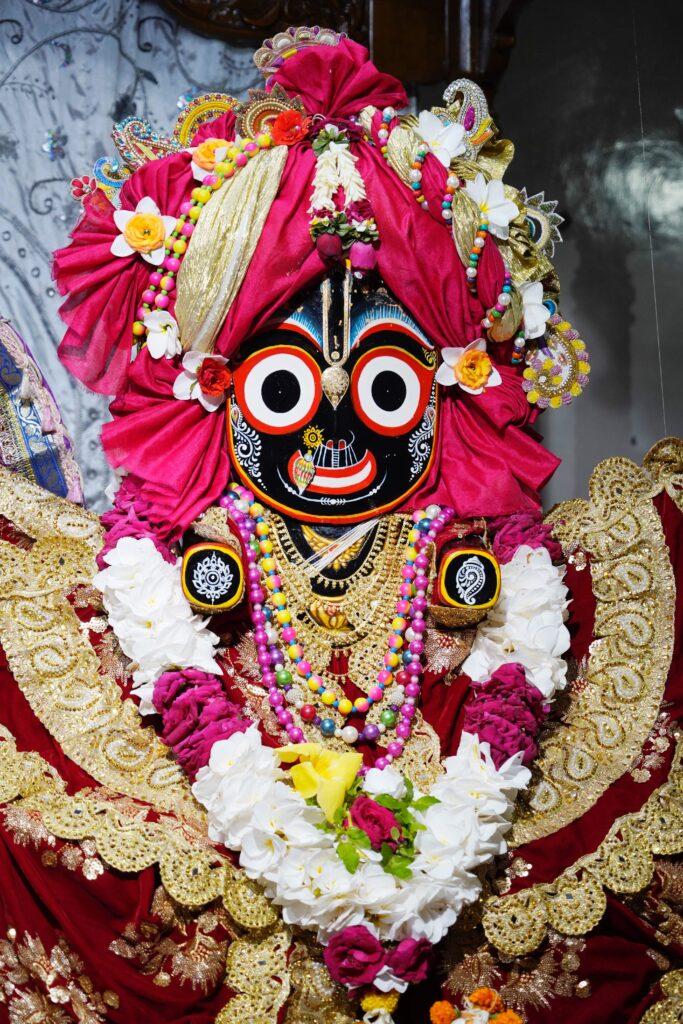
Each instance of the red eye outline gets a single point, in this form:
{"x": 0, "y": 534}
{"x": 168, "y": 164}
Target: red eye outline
{"x": 425, "y": 377}
{"x": 241, "y": 375}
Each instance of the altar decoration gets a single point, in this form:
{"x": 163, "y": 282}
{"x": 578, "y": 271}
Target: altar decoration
{"x": 324, "y": 721}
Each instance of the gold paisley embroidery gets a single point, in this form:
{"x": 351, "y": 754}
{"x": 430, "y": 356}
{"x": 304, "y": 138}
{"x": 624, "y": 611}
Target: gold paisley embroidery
{"x": 192, "y": 872}
{"x": 317, "y": 999}
{"x": 37, "y": 984}
{"x": 54, "y": 663}
{"x": 668, "y": 1010}
{"x": 614, "y": 705}
{"x": 575, "y": 902}
{"x": 664, "y": 462}
{"x": 256, "y": 969}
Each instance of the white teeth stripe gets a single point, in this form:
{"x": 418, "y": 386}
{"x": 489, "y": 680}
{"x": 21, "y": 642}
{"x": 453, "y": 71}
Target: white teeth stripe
{"x": 334, "y": 483}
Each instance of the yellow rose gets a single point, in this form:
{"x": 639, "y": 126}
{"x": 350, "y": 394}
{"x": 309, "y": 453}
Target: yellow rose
{"x": 473, "y": 369}
{"x": 205, "y": 153}
{"x": 145, "y": 232}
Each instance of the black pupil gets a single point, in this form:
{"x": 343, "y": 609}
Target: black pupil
{"x": 388, "y": 391}
{"x": 280, "y": 391}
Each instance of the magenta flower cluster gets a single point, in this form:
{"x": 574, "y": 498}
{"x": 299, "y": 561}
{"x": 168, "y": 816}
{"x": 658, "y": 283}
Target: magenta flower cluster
{"x": 511, "y": 532}
{"x": 355, "y": 956}
{"x": 129, "y": 518}
{"x": 507, "y": 713}
{"x": 195, "y": 713}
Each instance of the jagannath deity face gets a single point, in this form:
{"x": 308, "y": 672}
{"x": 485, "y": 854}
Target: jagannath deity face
{"x": 334, "y": 408}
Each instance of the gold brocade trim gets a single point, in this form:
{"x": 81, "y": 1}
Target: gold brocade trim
{"x": 670, "y": 1009}
{"x": 54, "y": 663}
{"x": 575, "y": 902}
{"x": 664, "y": 462}
{"x": 317, "y": 998}
{"x": 612, "y": 708}
{"x": 192, "y": 872}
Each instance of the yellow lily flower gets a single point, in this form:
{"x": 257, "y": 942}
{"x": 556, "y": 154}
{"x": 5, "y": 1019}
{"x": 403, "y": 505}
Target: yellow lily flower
{"x": 321, "y": 773}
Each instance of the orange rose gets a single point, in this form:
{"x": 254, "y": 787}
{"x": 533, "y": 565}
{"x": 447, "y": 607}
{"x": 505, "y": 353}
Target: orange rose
{"x": 473, "y": 369}
{"x": 443, "y": 1012}
{"x": 205, "y": 153}
{"x": 145, "y": 232}
{"x": 507, "y": 1017}
{"x": 485, "y": 998}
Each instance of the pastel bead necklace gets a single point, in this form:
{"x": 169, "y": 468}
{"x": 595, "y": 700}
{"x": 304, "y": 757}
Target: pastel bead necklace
{"x": 402, "y": 662}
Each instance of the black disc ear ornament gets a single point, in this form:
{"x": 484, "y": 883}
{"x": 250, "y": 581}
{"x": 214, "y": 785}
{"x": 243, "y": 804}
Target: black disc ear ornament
{"x": 212, "y": 577}
{"x": 468, "y": 584}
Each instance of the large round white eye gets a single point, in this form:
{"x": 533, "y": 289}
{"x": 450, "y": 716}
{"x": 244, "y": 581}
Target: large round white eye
{"x": 390, "y": 390}
{"x": 278, "y": 389}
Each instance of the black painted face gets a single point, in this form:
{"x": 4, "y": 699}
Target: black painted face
{"x": 334, "y": 410}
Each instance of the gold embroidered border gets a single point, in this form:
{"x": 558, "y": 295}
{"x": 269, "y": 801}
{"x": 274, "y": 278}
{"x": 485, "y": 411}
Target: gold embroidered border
{"x": 575, "y": 902}
{"x": 54, "y": 663}
{"x": 191, "y": 871}
{"x": 668, "y": 1010}
{"x": 664, "y": 462}
{"x": 614, "y": 705}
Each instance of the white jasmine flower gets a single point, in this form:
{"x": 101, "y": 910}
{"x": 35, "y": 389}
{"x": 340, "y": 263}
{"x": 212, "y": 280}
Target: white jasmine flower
{"x": 388, "y": 782}
{"x": 491, "y": 200}
{"x": 527, "y": 623}
{"x": 536, "y": 315}
{"x": 163, "y": 334}
{"x": 445, "y": 141}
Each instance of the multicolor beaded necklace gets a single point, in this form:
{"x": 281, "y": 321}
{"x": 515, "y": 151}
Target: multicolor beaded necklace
{"x": 402, "y": 662}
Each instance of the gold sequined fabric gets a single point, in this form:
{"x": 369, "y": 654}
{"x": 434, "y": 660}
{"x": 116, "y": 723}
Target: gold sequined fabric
{"x": 668, "y": 1009}
{"x": 223, "y": 244}
{"x": 614, "y": 704}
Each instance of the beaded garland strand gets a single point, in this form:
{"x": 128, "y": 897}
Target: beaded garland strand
{"x": 406, "y": 628}
{"x": 158, "y": 293}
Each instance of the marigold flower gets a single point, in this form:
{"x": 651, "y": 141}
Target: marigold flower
{"x": 442, "y": 1012}
{"x": 380, "y": 1001}
{"x": 486, "y": 999}
{"x": 507, "y": 1017}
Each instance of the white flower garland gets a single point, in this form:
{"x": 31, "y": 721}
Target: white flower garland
{"x": 252, "y": 807}
{"x": 527, "y": 623}
{"x": 336, "y": 166}
{"x": 252, "y": 810}
{"x": 151, "y": 616}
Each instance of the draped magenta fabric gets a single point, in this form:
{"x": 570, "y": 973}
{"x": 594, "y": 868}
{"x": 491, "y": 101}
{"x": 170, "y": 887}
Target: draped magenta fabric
{"x": 486, "y": 463}
{"x": 104, "y": 290}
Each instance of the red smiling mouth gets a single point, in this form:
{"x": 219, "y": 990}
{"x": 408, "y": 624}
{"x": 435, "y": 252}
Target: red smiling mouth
{"x": 337, "y": 471}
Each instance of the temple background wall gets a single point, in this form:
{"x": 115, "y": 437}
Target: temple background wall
{"x": 592, "y": 97}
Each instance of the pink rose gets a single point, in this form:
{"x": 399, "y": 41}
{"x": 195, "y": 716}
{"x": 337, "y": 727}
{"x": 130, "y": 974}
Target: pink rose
{"x": 363, "y": 256}
{"x": 329, "y": 246}
{"x": 410, "y": 960}
{"x": 522, "y": 528}
{"x": 376, "y": 821}
{"x": 354, "y": 956}
{"x": 129, "y": 518}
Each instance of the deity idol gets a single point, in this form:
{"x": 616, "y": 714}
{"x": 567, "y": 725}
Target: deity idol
{"x": 323, "y": 722}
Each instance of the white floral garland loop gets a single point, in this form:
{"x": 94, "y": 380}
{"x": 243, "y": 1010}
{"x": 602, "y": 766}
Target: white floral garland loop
{"x": 252, "y": 808}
